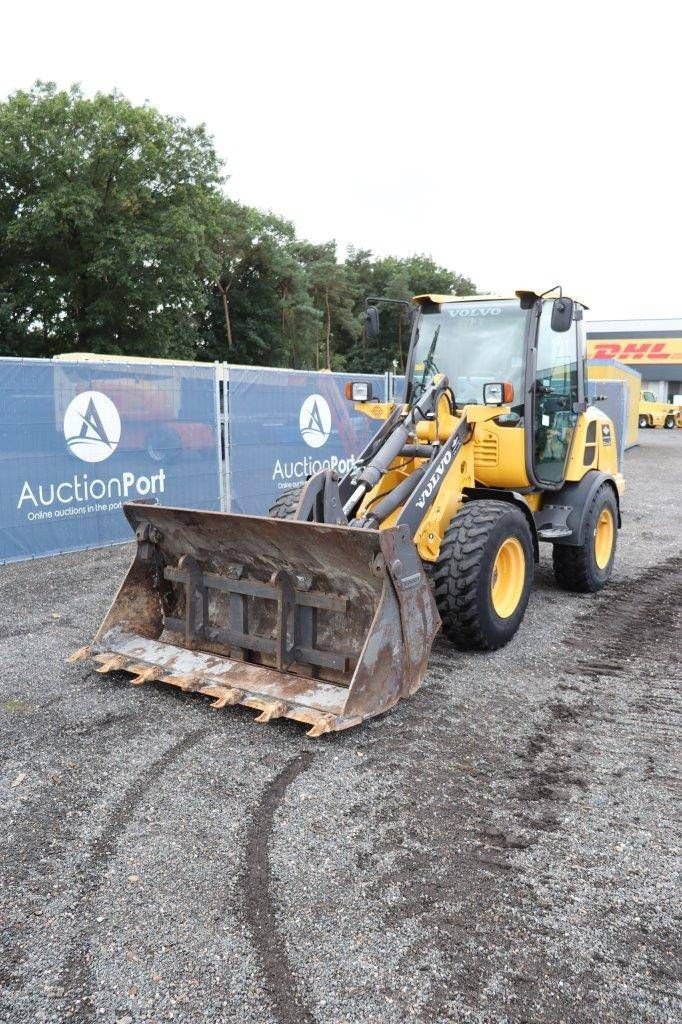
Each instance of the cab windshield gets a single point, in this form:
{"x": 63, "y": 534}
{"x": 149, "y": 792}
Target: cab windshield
{"x": 472, "y": 343}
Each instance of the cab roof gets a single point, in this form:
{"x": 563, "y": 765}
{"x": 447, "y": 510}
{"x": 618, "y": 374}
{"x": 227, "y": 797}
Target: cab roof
{"x": 442, "y": 299}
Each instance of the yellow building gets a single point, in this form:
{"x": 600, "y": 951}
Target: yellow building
{"x": 652, "y": 347}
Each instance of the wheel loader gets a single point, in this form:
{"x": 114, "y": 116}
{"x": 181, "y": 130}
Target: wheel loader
{"x": 325, "y": 610}
{"x": 653, "y": 413}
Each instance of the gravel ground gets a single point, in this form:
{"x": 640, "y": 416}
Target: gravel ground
{"x": 500, "y": 848}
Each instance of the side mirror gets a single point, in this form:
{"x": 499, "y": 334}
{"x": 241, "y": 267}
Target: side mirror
{"x": 562, "y": 315}
{"x": 371, "y": 322}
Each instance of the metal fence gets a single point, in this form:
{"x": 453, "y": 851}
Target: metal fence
{"x": 77, "y": 439}
{"x": 284, "y": 425}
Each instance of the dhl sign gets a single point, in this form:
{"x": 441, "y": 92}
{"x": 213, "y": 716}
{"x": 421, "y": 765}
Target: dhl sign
{"x": 636, "y": 350}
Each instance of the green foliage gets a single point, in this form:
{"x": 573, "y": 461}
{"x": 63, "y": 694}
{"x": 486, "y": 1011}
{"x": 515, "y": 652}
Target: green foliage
{"x": 107, "y": 217}
{"x": 116, "y": 236}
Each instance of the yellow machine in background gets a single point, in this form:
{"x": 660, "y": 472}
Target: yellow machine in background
{"x": 325, "y": 612}
{"x": 612, "y": 370}
{"x": 653, "y": 413}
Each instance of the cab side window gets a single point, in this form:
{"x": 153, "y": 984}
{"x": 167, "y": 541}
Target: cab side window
{"x": 555, "y": 393}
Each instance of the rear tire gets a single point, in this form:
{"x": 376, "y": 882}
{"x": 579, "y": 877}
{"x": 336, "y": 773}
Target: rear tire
{"x": 643, "y": 422}
{"x": 587, "y": 568}
{"x": 286, "y": 504}
{"x": 483, "y": 575}
{"x": 669, "y": 422}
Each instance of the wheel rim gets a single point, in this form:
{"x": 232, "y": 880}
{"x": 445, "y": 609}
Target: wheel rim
{"x": 509, "y": 574}
{"x": 603, "y": 538}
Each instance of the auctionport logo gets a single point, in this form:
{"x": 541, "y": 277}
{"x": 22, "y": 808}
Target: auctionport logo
{"x": 92, "y": 426}
{"x": 315, "y": 421}
{"x": 92, "y": 429}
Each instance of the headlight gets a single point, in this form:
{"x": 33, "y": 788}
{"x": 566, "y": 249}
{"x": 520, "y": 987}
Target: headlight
{"x": 359, "y": 391}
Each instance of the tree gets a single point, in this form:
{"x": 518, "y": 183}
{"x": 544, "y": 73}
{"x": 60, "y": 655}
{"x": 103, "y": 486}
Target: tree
{"x": 116, "y": 236}
{"x": 331, "y": 295}
{"x": 261, "y": 311}
{"x": 393, "y": 278}
{"x": 108, "y": 214}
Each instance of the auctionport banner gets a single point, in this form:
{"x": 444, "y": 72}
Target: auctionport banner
{"x": 77, "y": 439}
{"x": 284, "y": 425}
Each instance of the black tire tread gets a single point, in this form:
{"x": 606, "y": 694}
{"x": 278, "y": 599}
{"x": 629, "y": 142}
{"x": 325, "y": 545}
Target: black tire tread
{"x": 285, "y": 504}
{"x": 572, "y": 563}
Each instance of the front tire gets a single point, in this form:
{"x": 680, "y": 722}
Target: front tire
{"x": 643, "y": 422}
{"x": 285, "y": 504}
{"x": 588, "y": 567}
{"x": 483, "y": 575}
{"x": 669, "y": 423}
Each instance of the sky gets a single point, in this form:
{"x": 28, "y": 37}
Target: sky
{"x": 521, "y": 144}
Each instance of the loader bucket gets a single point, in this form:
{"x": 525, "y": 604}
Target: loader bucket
{"x": 327, "y": 625}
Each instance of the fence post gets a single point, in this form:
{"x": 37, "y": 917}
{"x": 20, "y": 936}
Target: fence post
{"x": 225, "y": 435}
{"x": 219, "y": 434}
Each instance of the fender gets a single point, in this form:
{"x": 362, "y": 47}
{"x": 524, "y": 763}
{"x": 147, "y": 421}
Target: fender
{"x": 574, "y": 498}
{"x": 513, "y": 498}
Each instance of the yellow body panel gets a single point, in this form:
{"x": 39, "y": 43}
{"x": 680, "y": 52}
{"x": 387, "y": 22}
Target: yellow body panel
{"x": 375, "y": 410}
{"x": 601, "y": 455}
{"x": 499, "y": 456}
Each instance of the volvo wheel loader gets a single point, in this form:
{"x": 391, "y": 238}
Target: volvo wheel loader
{"x": 325, "y": 610}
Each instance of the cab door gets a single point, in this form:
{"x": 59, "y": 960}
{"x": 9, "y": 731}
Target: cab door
{"x": 556, "y": 393}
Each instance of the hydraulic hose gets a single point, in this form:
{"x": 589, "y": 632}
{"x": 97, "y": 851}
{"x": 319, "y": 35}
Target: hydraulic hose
{"x": 394, "y": 444}
{"x": 397, "y": 497}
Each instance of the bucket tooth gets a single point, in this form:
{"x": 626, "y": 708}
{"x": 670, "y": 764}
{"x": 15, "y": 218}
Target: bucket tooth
{"x": 112, "y": 663}
{"x": 80, "y": 655}
{"x": 321, "y": 726}
{"x": 274, "y": 710}
{"x": 185, "y": 683}
{"x": 224, "y": 698}
{"x": 145, "y": 674}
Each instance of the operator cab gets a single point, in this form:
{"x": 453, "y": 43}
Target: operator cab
{"x": 533, "y": 344}
{"x": 473, "y": 343}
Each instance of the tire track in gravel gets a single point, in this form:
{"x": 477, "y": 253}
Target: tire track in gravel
{"x": 446, "y": 803}
{"x": 259, "y": 910}
{"x": 49, "y": 809}
{"x": 639, "y": 614}
{"x": 77, "y": 972}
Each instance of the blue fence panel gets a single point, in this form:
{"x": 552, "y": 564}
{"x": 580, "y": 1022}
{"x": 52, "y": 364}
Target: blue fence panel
{"x": 284, "y": 425}
{"x": 397, "y": 387}
{"x": 77, "y": 439}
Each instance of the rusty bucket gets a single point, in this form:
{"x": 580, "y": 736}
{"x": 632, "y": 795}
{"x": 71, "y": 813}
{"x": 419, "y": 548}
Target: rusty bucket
{"x": 327, "y": 625}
